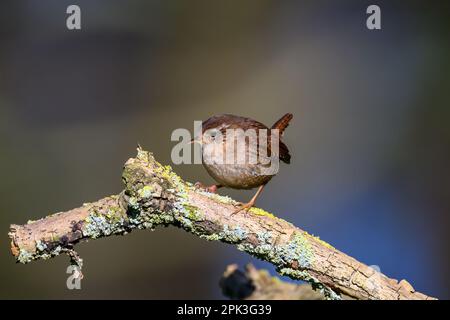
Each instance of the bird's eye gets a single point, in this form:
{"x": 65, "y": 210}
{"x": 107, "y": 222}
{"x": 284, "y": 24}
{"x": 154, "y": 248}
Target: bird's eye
{"x": 213, "y": 133}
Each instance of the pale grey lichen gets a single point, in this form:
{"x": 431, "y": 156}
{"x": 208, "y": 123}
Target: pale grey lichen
{"x": 233, "y": 235}
{"x": 299, "y": 249}
{"x": 41, "y": 252}
{"x": 265, "y": 241}
{"x": 315, "y": 283}
{"x": 264, "y": 237}
{"x": 56, "y": 250}
{"x": 24, "y": 256}
{"x": 186, "y": 223}
{"x": 40, "y": 246}
{"x": 227, "y": 234}
{"x": 262, "y": 251}
{"x": 99, "y": 225}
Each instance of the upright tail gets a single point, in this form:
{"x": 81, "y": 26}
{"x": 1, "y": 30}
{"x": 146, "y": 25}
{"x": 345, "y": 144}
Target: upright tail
{"x": 283, "y": 123}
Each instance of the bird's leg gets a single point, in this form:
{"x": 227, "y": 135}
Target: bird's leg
{"x": 213, "y": 188}
{"x": 247, "y": 206}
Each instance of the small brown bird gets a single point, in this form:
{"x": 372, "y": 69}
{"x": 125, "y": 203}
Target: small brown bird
{"x": 223, "y": 133}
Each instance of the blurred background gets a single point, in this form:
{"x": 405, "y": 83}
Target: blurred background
{"x": 370, "y": 139}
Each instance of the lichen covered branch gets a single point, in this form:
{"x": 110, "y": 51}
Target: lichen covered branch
{"x": 154, "y": 195}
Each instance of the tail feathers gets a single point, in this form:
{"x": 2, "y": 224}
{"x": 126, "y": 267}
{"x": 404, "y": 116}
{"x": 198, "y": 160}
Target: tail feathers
{"x": 283, "y": 123}
{"x": 285, "y": 156}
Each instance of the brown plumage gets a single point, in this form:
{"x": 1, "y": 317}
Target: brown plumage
{"x": 223, "y": 122}
{"x": 283, "y": 123}
{"x": 240, "y": 175}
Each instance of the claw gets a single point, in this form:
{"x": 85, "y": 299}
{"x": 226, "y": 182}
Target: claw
{"x": 244, "y": 207}
{"x": 212, "y": 189}
{"x": 247, "y": 206}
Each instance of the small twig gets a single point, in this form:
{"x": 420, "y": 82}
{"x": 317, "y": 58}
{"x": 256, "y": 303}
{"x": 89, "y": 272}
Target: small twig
{"x": 75, "y": 260}
{"x": 154, "y": 195}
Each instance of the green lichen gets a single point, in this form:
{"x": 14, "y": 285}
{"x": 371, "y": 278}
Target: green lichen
{"x": 146, "y": 191}
{"x": 218, "y": 198}
{"x": 191, "y": 212}
{"x": 167, "y": 174}
{"x": 174, "y": 188}
{"x": 261, "y": 212}
{"x": 323, "y": 243}
{"x": 114, "y": 214}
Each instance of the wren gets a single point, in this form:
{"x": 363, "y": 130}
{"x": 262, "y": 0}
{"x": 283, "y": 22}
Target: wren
{"x": 223, "y": 133}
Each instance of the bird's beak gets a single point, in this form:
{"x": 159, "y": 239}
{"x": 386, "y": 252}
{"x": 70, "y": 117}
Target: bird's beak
{"x": 195, "y": 140}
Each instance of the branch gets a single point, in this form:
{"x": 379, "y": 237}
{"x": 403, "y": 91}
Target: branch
{"x": 253, "y": 284}
{"x": 154, "y": 195}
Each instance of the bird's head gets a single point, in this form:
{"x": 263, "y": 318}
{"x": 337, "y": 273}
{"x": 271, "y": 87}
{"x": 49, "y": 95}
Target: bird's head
{"x": 213, "y": 130}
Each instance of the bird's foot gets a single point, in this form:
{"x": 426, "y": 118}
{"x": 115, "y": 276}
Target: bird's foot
{"x": 213, "y": 188}
{"x": 243, "y": 207}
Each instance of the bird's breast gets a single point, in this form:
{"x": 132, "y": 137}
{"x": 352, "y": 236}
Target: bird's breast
{"x": 237, "y": 176}
{"x": 243, "y": 168}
